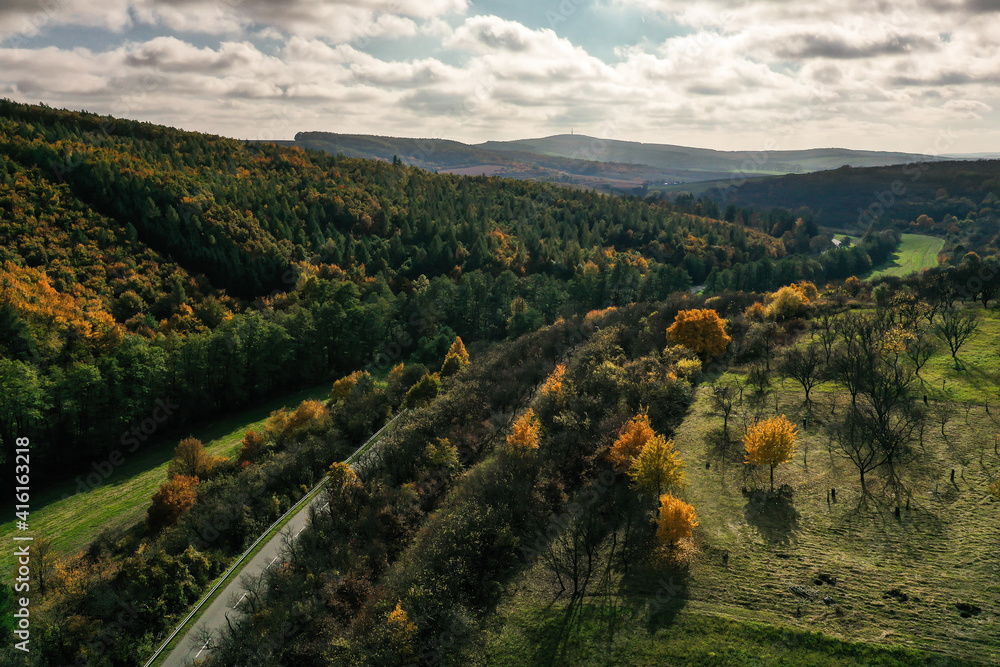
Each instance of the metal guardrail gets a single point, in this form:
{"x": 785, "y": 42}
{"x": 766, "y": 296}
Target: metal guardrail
{"x": 239, "y": 561}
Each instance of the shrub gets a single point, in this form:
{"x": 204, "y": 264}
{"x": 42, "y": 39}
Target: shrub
{"x": 170, "y": 502}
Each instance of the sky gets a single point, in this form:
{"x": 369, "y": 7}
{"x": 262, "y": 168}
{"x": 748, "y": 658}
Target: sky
{"x": 920, "y": 77}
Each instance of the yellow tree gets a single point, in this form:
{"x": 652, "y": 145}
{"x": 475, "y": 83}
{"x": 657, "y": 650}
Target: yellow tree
{"x": 344, "y": 493}
{"x": 402, "y": 633}
{"x": 631, "y": 439}
{"x": 770, "y": 442}
{"x": 342, "y": 388}
{"x": 657, "y": 466}
{"x": 191, "y": 459}
{"x": 456, "y": 359}
{"x": 525, "y": 433}
{"x": 677, "y": 520}
{"x": 701, "y": 330}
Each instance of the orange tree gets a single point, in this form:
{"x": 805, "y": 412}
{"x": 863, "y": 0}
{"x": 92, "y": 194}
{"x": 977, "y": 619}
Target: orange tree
{"x": 770, "y": 442}
{"x": 171, "y": 501}
{"x": 631, "y": 439}
{"x": 701, "y": 330}
{"x": 525, "y": 433}
{"x": 677, "y": 520}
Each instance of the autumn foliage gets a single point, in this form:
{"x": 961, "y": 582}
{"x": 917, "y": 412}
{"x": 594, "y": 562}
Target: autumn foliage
{"x": 770, "y": 442}
{"x": 252, "y": 447}
{"x": 553, "y": 385}
{"x": 342, "y": 388}
{"x": 402, "y": 632}
{"x": 676, "y": 522}
{"x": 631, "y": 439}
{"x": 657, "y": 466}
{"x": 701, "y": 330}
{"x": 192, "y": 460}
{"x": 791, "y": 300}
{"x": 284, "y": 426}
{"x": 456, "y": 359}
{"x": 171, "y": 501}
{"x": 525, "y": 433}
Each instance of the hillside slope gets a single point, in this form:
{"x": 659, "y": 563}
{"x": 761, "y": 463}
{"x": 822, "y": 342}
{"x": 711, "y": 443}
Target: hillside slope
{"x": 704, "y": 159}
{"x": 591, "y": 162}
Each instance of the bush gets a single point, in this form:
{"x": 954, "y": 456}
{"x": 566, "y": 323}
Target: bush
{"x": 426, "y": 389}
{"x": 170, "y": 502}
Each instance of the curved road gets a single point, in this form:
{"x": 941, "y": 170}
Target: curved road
{"x": 192, "y": 645}
{"x": 213, "y": 617}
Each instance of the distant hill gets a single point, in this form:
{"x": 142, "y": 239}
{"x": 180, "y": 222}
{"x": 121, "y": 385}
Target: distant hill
{"x": 446, "y": 156}
{"x": 588, "y": 162}
{"x": 704, "y": 159}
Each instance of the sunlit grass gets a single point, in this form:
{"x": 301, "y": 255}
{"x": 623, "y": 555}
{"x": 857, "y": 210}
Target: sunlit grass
{"x": 71, "y": 520}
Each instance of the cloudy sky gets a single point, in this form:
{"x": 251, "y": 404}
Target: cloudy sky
{"x": 760, "y": 74}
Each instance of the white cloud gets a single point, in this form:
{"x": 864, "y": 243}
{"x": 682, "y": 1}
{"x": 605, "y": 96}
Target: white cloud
{"x": 740, "y": 75}
{"x": 343, "y": 20}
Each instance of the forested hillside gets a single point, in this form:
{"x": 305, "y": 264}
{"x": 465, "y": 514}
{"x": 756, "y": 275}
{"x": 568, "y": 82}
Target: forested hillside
{"x": 956, "y": 200}
{"x": 142, "y": 263}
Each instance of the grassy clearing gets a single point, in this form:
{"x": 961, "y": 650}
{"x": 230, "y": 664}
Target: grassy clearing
{"x": 941, "y": 552}
{"x": 72, "y": 520}
{"x": 690, "y": 636}
{"x": 916, "y": 253}
{"x": 978, "y": 380}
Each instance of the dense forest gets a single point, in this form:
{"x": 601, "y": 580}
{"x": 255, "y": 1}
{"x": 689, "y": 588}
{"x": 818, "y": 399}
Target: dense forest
{"x": 141, "y": 263}
{"x": 956, "y": 200}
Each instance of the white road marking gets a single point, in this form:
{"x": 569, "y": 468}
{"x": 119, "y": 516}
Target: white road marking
{"x": 202, "y": 649}
{"x": 300, "y": 530}
{"x": 238, "y": 601}
{"x": 271, "y": 563}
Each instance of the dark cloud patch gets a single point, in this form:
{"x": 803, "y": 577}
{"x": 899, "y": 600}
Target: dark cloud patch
{"x": 822, "y": 46}
{"x": 945, "y": 79}
{"x": 707, "y": 90}
{"x": 437, "y": 103}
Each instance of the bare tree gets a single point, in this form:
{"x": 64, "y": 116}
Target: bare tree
{"x": 919, "y": 350}
{"x": 826, "y": 332}
{"x": 805, "y": 366}
{"x": 872, "y": 443}
{"x": 764, "y": 337}
{"x": 724, "y": 397}
{"x": 956, "y": 327}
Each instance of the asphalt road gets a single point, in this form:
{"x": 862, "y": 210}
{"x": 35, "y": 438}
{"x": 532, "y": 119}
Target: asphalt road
{"x": 193, "y": 644}
{"x": 213, "y": 617}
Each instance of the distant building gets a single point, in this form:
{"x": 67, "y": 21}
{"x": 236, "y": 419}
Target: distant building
{"x": 836, "y": 242}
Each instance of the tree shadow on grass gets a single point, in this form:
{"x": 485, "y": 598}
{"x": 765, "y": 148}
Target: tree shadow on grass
{"x": 773, "y": 514}
{"x": 651, "y": 594}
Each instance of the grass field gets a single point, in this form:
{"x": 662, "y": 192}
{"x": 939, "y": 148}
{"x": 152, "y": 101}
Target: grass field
{"x": 72, "y": 520}
{"x": 978, "y": 380}
{"x": 916, "y": 253}
{"x": 898, "y": 581}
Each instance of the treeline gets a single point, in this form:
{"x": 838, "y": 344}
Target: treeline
{"x": 961, "y": 189}
{"x": 834, "y": 264}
